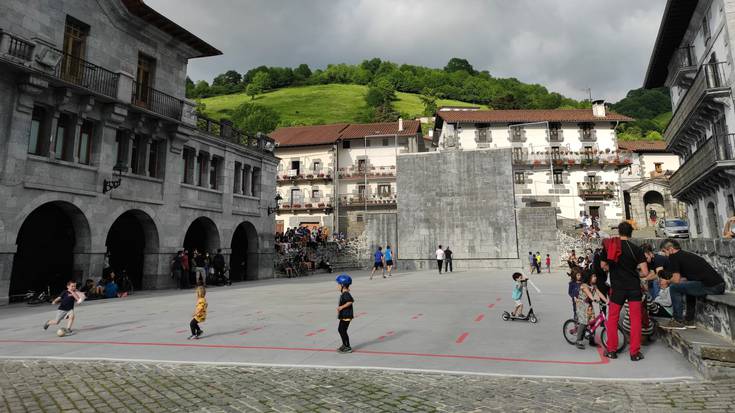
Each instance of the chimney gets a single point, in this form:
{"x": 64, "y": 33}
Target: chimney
{"x": 598, "y": 108}
{"x": 400, "y": 124}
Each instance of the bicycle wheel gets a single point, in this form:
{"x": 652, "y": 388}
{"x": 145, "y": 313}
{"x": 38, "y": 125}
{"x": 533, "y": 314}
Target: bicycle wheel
{"x": 622, "y": 339}
{"x": 569, "y": 329}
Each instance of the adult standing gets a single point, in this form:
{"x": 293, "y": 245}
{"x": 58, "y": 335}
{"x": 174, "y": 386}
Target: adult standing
{"x": 177, "y": 269}
{"x": 626, "y": 264}
{"x": 448, "y": 260}
{"x": 692, "y": 277}
{"x": 439, "y": 258}
{"x": 219, "y": 265}
{"x": 653, "y": 215}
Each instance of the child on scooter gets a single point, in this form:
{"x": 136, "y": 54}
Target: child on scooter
{"x": 517, "y": 294}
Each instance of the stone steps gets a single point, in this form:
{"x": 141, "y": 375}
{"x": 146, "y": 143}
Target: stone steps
{"x": 716, "y": 313}
{"x": 711, "y": 354}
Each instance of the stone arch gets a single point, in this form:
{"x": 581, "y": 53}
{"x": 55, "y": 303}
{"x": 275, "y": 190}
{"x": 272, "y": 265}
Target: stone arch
{"x": 244, "y": 252}
{"x": 52, "y": 241}
{"x": 133, "y": 244}
{"x": 202, "y": 234}
{"x": 653, "y": 200}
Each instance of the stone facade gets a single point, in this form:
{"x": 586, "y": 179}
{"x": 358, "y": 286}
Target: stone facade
{"x": 69, "y": 126}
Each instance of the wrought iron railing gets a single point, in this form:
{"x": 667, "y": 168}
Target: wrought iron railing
{"x": 308, "y": 174}
{"x": 225, "y": 130}
{"x": 307, "y": 203}
{"x": 596, "y": 190}
{"x": 572, "y": 158}
{"x": 82, "y": 73}
{"x": 369, "y": 200}
{"x": 157, "y": 101}
{"x": 18, "y": 47}
{"x": 357, "y": 171}
{"x": 716, "y": 149}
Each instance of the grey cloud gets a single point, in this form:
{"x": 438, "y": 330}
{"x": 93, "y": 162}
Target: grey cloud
{"x": 566, "y": 45}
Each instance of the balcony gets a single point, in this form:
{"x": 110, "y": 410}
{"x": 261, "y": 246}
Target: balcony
{"x": 156, "y": 101}
{"x": 596, "y": 191}
{"x": 362, "y": 201}
{"x": 684, "y": 66}
{"x": 225, "y": 130}
{"x": 706, "y": 168}
{"x": 367, "y": 172}
{"x": 17, "y": 47}
{"x": 709, "y": 91}
{"x": 311, "y": 175}
{"x": 307, "y": 204}
{"x": 569, "y": 159}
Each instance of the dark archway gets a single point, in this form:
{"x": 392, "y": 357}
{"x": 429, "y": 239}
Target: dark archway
{"x": 244, "y": 255}
{"x": 202, "y": 235}
{"x": 131, "y": 236}
{"x": 48, "y": 243}
{"x": 653, "y": 197}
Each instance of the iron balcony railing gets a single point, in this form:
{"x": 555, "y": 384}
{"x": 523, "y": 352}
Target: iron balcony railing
{"x": 156, "y": 101}
{"x": 304, "y": 175}
{"x": 18, "y": 47}
{"x": 225, "y": 130}
{"x": 307, "y": 203}
{"x": 596, "y": 190}
{"x": 80, "y": 72}
{"x": 367, "y": 171}
{"x": 572, "y": 158}
{"x": 368, "y": 200}
{"x": 708, "y": 82}
{"x": 718, "y": 152}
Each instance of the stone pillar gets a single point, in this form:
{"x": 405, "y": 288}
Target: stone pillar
{"x": 248, "y": 180}
{"x": 52, "y": 135}
{"x": 144, "y": 150}
{"x": 125, "y": 86}
{"x": 6, "y": 271}
{"x": 75, "y": 139}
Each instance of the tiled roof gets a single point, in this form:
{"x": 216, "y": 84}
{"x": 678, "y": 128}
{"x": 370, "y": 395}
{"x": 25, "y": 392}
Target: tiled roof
{"x": 308, "y": 135}
{"x": 529, "y": 115}
{"x": 643, "y": 146}
{"x": 361, "y": 130}
{"x": 146, "y": 13}
{"x": 326, "y": 134}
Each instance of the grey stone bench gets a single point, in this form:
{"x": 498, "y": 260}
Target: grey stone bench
{"x": 716, "y": 313}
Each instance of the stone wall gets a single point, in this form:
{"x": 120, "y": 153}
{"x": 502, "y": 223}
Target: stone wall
{"x": 381, "y": 229}
{"x": 537, "y": 232}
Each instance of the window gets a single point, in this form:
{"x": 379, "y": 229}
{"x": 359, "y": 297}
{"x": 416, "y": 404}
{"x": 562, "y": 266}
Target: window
{"x": 555, "y": 153}
{"x": 483, "y": 134}
{"x": 517, "y": 154}
{"x": 214, "y": 172}
{"x": 706, "y": 34}
{"x": 75, "y": 39}
{"x": 345, "y": 144}
{"x": 555, "y": 133}
{"x": 61, "y": 143}
{"x": 122, "y": 148}
{"x": 587, "y": 131}
{"x": 255, "y": 187}
{"x": 588, "y": 153}
{"x": 296, "y": 166}
{"x": 144, "y": 79}
{"x": 238, "y": 177}
{"x": 316, "y": 166}
{"x": 295, "y": 196}
{"x": 697, "y": 224}
{"x": 189, "y": 155}
{"x": 359, "y": 218}
{"x": 558, "y": 177}
{"x": 519, "y": 178}
{"x": 367, "y": 143}
{"x": 154, "y": 159}
{"x": 386, "y": 142}
{"x": 35, "y": 134}
{"x": 361, "y": 191}
{"x": 247, "y": 180}
{"x": 362, "y": 165}
{"x": 315, "y": 194}
{"x": 138, "y": 155}
{"x": 658, "y": 167}
{"x": 516, "y": 133}
{"x": 384, "y": 190}
{"x": 202, "y": 172}
{"x": 85, "y": 142}
{"x": 730, "y": 206}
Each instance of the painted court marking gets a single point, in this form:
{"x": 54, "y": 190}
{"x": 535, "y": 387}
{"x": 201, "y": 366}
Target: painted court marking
{"x": 387, "y": 334}
{"x": 417, "y": 316}
{"x": 313, "y": 333}
{"x": 462, "y": 338}
{"x": 490, "y": 305}
{"x": 534, "y": 286}
{"x": 479, "y": 317}
{"x": 600, "y": 361}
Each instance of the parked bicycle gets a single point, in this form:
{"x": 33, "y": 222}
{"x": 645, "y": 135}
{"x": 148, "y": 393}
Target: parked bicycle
{"x": 38, "y": 297}
{"x": 569, "y": 330}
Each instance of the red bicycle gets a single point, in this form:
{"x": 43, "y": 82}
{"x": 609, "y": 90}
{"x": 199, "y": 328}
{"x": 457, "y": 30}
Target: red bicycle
{"x": 570, "y": 330}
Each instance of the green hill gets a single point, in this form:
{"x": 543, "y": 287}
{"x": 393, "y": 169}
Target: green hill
{"x": 319, "y": 104}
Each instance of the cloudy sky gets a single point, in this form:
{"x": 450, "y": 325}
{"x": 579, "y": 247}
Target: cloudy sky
{"x": 566, "y": 45}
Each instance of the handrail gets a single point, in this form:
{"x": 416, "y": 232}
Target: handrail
{"x": 157, "y": 101}
{"x": 18, "y": 47}
{"x": 75, "y": 70}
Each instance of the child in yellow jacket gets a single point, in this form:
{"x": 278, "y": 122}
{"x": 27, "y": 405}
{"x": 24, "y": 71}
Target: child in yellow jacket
{"x": 200, "y": 313}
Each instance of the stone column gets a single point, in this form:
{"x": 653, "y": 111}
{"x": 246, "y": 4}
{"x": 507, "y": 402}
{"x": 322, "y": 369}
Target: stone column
{"x": 145, "y": 150}
{"x": 52, "y": 134}
{"x": 248, "y": 180}
{"x": 6, "y": 270}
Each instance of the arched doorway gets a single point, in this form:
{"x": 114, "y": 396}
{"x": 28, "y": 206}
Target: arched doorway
{"x": 202, "y": 235}
{"x": 243, "y": 259}
{"x": 653, "y": 201}
{"x": 131, "y": 236}
{"x": 714, "y": 230}
{"x": 50, "y": 242}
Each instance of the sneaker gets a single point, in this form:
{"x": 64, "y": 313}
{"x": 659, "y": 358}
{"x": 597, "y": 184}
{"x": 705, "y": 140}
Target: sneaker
{"x": 191, "y": 337}
{"x": 45, "y": 326}
{"x": 580, "y": 345}
{"x": 347, "y": 350}
{"x": 199, "y": 334}
{"x": 610, "y": 354}
{"x": 340, "y": 349}
{"x": 636, "y": 357}
{"x": 690, "y": 324}
{"x": 673, "y": 325}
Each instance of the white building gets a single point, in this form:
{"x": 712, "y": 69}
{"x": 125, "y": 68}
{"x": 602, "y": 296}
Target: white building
{"x": 693, "y": 57}
{"x": 568, "y": 159}
{"x": 364, "y": 158}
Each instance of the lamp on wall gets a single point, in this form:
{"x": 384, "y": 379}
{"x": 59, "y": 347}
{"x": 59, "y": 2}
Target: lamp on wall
{"x": 109, "y": 185}
{"x": 272, "y": 210}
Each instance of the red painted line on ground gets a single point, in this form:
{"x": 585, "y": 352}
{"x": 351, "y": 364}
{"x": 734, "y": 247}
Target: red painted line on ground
{"x": 479, "y": 317}
{"x": 243, "y": 333}
{"x": 498, "y": 299}
{"x": 416, "y": 316}
{"x": 462, "y": 337}
{"x": 321, "y": 330}
{"x": 313, "y": 333}
{"x": 601, "y": 352}
{"x": 390, "y": 333}
{"x": 319, "y": 350}
{"x": 180, "y": 331}
{"x": 490, "y": 305}
{"x": 381, "y": 338}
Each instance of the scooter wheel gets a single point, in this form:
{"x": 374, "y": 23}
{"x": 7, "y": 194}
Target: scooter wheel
{"x": 532, "y": 318}
{"x": 506, "y": 316}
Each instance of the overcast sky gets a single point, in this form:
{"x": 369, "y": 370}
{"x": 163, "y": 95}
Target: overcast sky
{"x": 565, "y": 45}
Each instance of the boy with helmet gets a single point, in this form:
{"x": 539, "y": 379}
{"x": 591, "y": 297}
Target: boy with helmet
{"x": 345, "y": 312}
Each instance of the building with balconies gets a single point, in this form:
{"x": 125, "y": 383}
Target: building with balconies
{"x": 567, "y": 159}
{"x": 332, "y": 175}
{"x": 105, "y": 165}
{"x": 692, "y": 56}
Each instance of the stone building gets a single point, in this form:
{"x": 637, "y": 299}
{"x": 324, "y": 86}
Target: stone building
{"x": 692, "y": 56}
{"x": 565, "y": 159}
{"x": 92, "y": 99}
{"x": 646, "y": 183}
{"x": 364, "y": 158}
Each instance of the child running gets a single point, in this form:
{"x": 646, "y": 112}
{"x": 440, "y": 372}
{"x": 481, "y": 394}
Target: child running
{"x": 548, "y": 263}
{"x": 200, "y": 314}
{"x": 66, "y": 302}
{"x": 518, "y": 294}
{"x": 345, "y": 311}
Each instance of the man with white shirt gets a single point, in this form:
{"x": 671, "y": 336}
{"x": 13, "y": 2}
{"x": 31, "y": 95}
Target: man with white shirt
{"x": 439, "y": 258}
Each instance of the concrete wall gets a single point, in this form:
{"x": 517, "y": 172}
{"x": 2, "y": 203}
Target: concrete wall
{"x": 381, "y": 229}
{"x": 463, "y": 199}
{"x": 537, "y": 232}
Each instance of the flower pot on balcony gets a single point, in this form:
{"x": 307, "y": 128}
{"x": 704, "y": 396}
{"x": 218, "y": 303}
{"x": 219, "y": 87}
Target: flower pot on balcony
{"x": 307, "y": 205}
{"x": 321, "y": 205}
{"x": 310, "y": 176}
{"x": 297, "y": 205}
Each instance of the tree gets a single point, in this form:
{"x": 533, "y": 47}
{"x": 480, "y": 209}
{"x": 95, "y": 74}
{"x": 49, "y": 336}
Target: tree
{"x": 201, "y": 89}
{"x": 229, "y": 78}
{"x": 456, "y": 64}
{"x": 428, "y": 99}
{"x": 380, "y": 98}
{"x": 189, "y": 87}
{"x": 252, "y": 118}
{"x": 302, "y": 72}
{"x": 261, "y": 82}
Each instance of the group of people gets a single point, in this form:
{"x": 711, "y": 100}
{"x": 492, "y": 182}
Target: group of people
{"x": 534, "y": 262}
{"x": 303, "y": 235}
{"x": 198, "y": 269}
{"x": 590, "y": 226}
{"x": 652, "y": 283}
{"x": 383, "y": 261}
{"x": 106, "y": 287}
{"x": 444, "y": 257}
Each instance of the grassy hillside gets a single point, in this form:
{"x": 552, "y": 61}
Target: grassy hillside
{"x": 320, "y": 104}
